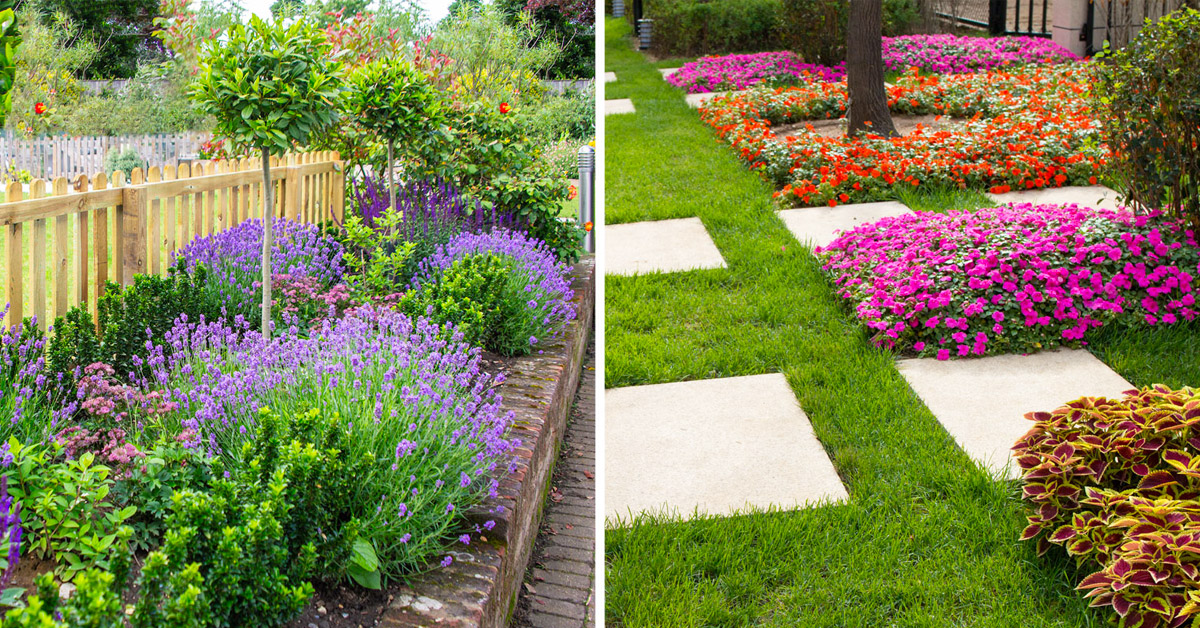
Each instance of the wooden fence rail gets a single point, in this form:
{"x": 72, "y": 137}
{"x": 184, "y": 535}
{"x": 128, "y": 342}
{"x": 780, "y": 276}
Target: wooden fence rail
{"x": 61, "y": 244}
{"x": 49, "y": 157}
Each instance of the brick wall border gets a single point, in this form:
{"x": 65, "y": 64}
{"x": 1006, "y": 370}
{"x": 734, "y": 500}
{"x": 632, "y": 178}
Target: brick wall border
{"x": 480, "y": 588}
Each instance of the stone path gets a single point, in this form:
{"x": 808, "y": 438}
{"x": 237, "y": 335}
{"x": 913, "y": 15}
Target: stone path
{"x": 1087, "y": 196}
{"x": 982, "y": 401}
{"x": 819, "y": 226}
{"x": 668, "y": 71}
{"x": 660, "y": 246}
{"x": 716, "y": 446}
{"x": 560, "y": 585}
{"x": 610, "y": 77}
{"x": 618, "y": 106}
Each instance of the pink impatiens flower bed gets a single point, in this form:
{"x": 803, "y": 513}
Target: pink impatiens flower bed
{"x": 738, "y": 72}
{"x": 1013, "y": 279}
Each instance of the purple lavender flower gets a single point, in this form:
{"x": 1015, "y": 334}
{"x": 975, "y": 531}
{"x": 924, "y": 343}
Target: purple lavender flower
{"x": 10, "y": 531}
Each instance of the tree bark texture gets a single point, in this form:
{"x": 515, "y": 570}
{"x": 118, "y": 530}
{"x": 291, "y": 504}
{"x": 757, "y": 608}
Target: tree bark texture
{"x": 868, "y": 108}
{"x": 268, "y": 242}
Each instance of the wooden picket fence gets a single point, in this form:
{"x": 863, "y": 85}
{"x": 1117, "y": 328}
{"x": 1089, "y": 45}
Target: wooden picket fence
{"x": 61, "y": 244}
{"x": 61, "y": 156}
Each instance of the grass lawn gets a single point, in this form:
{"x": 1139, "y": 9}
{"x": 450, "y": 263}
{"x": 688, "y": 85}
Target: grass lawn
{"x": 927, "y": 539}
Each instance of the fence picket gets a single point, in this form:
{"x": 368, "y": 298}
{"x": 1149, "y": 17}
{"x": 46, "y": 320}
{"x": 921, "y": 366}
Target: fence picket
{"x": 37, "y": 189}
{"x": 62, "y": 269}
{"x": 15, "y": 247}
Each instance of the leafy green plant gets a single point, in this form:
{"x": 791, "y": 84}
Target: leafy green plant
{"x": 10, "y": 39}
{"x": 396, "y": 101}
{"x": 379, "y": 258}
{"x": 270, "y": 86}
{"x": 1116, "y": 483}
{"x": 469, "y": 295}
{"x": 1154, "y": 152}
{"x": 124, "y": 160}
{"x": 69, "y": 512}
{"x": 169, "y": 467}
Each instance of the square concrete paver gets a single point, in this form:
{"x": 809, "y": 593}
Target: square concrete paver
{"x": 610, "y": 77}
{"x": 668, "y": 71}
{"x": 819, "y": 226}
{"x": 1096, "y": 196}
{"x": 621, "y": 105}
{"x": 663, "y": 246}
{"x": 716, "y": 445}
{"x": 982, "y": 402}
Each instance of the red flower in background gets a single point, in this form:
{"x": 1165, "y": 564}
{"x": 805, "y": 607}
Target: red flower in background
{"x": 572, "y": 192}
{"x": 39, "y": 108}
{"x": 587, "y": 226}
{"x": 504, "y": 108}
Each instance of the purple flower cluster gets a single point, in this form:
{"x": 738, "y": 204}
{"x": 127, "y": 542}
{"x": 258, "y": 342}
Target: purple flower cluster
{"x": 738, "y": 72}
{"x": 234, "y": 260}
{"x": 29, "y": 407}
{"x": 1013, "y": 279}
{"x": 535, "y": 272}
{"x": 429, "y": 207}
{"x": 10, "y": 531}
{"x": 951, "y": 54}
{"x": 409, "y": 398}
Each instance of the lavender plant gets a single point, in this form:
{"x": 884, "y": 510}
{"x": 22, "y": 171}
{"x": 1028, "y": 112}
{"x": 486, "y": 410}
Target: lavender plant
{"x": 233, "y": 259}
{"x": 29, "y": 405}
{"x": 10, "y": 535}
{"x": 407, "y": 397}
{"x": 531, "y": 303}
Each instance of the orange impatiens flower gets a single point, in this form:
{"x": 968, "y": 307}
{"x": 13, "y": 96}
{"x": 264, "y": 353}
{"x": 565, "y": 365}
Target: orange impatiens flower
{"x": 587, "y": 226}
{"x": 504, "y": 108}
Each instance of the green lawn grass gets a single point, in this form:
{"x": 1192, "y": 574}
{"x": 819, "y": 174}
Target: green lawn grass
{"x": 927, "y": 538}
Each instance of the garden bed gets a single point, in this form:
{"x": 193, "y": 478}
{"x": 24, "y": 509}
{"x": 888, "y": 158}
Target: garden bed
{"x": 481, "y": 586}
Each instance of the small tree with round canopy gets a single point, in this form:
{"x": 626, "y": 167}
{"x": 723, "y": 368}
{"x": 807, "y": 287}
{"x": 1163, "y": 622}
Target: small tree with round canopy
{"x": 270, "y": 87}
{"x": 398, "y": 103}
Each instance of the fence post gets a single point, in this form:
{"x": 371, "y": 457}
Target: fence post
{"x": 291, "y": 196}
{"x": 338, "y": 204}
{"x": 587, "y": 200}
{"x": 133, "y": 227}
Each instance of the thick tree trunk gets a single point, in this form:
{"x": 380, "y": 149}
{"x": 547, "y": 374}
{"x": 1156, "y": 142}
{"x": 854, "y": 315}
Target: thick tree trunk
{"x": 868, "y": 110}
{"x": 268, "y": 242}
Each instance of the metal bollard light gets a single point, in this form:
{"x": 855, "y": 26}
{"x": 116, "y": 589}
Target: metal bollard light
{"x": 618, "y": 8}
{"x": 644, "y": 27}
{"x": 587, "y": 198}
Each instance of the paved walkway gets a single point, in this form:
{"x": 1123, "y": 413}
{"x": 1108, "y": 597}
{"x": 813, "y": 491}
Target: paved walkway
{"x": 560, "y": 586}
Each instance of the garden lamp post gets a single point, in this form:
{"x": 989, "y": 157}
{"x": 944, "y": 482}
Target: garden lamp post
{"x": 587, "y": 198}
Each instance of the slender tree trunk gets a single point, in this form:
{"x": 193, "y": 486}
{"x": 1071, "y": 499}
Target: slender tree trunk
{"x": 268, "y": 242}
{"x": 868, "y": 109}
{"x": 391, "y": 172}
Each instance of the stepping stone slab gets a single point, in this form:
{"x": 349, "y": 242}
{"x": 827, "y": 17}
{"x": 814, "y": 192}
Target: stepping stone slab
{"x": 610, "y": 77}
{"x": 1096, "y": 196}
{"x": 717, "y": 445}
{"x": 820, "y": 226}
{"x": 663, "y": 246}
{"x": 668, "y": 71}
{"x": 982, "y": 402}
{"x": 621, "y": 105}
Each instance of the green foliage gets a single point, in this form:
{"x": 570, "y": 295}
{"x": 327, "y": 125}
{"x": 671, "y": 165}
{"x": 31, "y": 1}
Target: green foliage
{"x": 692, "y": 27}
{"x": 381, "y": 259}
{"x": 125, "y": 314}
{"x": 577, "y": 41}
{"x": 490, "y": 157}
{"x": 311, "y": 451}
{"x": 1116, "y": 483}
{"x": 120, "y": 29}
{"x": 494, "y": 60}
{"x": 149, "y": 486}
{"x": 67, "y": 511}
{"x": 485, "y": 299}
{"x": 1155, "y": 152}
{"x": 52, "y": 54}
{"x": 235, "y": 533}
{"x": 10, "y": 39}
{"x": 816, "y": 29}
{"x": 571, "y": 115}
{"x": 167, "y": 597}
{"x": 395, "y": 100}
{"x": 124, "y": 160}
{"x": 270, "y": 86}
{"x": 154, "y": 101}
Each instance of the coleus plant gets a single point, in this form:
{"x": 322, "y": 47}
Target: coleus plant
{"x": 1117, "y": 484}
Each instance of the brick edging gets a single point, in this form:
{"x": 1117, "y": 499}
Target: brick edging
{"x": 481, "y": 587}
